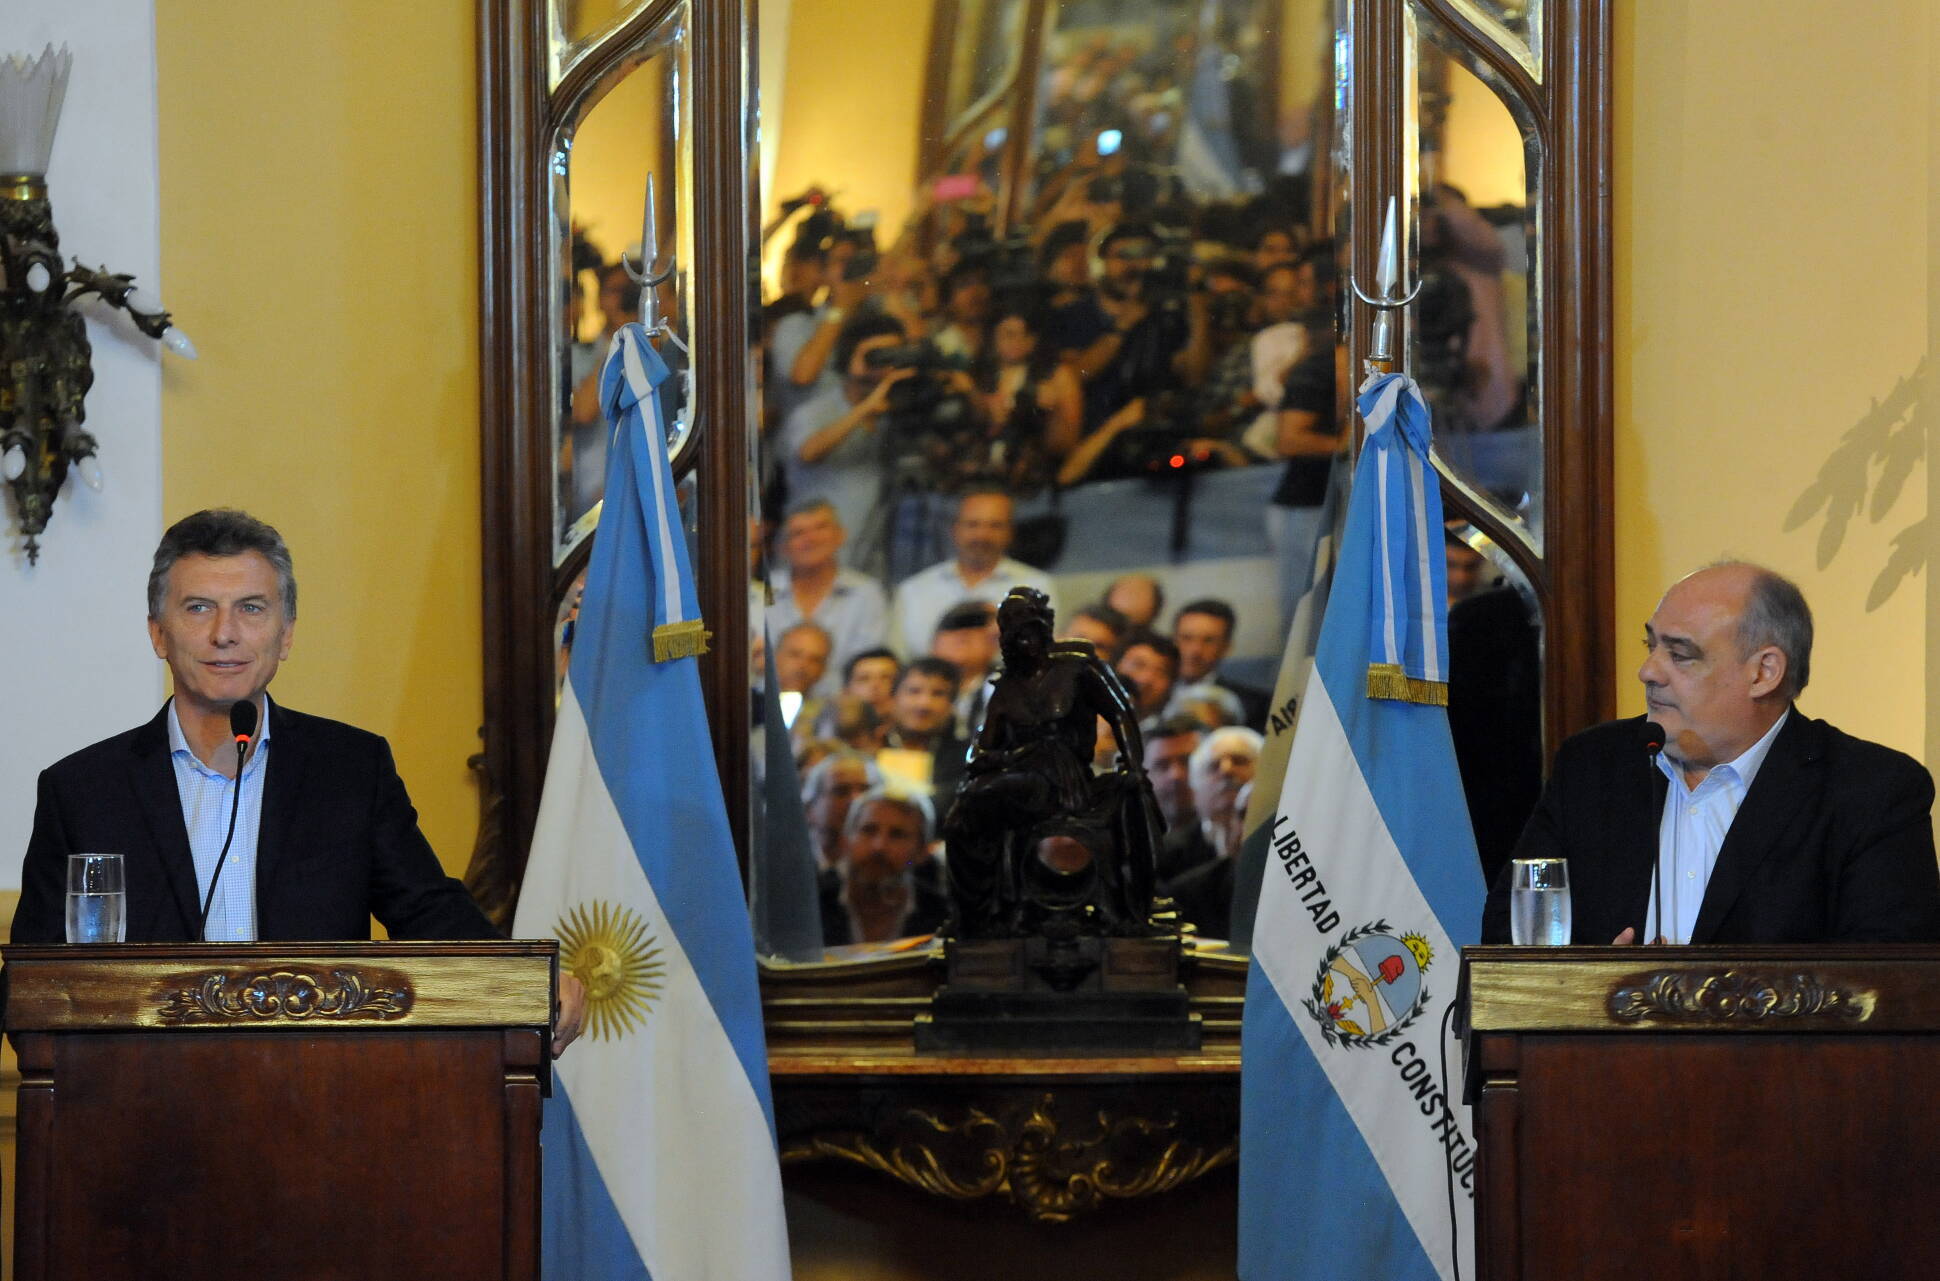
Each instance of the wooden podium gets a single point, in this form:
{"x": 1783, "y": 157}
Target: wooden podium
{"x": 280, "y": 1110}
{"x": 1700, "y": 1112}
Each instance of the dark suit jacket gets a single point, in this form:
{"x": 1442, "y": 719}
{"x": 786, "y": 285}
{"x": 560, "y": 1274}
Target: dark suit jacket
{"x": 1204, "y": 896}
{"x": 1834, "y": 842}
{"x": 338, "y": 841}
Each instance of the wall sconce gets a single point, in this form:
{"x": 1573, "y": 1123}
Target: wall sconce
{"x": 44, "y": 353}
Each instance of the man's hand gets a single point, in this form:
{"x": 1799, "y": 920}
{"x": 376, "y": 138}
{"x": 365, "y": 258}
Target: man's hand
{"x": 570, "y": 1013}
{"x": 877, "y": 401}
{"x": 1629, "y": 936}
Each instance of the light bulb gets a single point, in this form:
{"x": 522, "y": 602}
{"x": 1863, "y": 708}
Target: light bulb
{"x": 38, "y": 277}
{"x": 14, "y": 464}
{"x": 178, "y": 342}
{"x": 90, "y": 473}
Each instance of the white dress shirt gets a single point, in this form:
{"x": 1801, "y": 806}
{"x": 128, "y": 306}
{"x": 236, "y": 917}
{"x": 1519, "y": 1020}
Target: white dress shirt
{"x": 1692, "y": 831}
{"x": 207, "y": 798}
{"x": 925, "y": 596}
{"x": 855, "y": 614}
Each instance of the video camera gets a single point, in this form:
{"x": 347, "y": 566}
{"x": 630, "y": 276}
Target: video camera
{"x": 923, "y": 402}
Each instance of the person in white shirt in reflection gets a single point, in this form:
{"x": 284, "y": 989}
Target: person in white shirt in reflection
{"x": 981, "y": 570}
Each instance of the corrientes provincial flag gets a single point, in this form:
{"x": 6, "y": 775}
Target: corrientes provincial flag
{"x": 1356, "y": 1155}
{"x": 659, "y": 1136}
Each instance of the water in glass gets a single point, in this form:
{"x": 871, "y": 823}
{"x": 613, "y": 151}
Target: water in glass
{"x": 1540, "y": 917}
{"x": 97, "y": 918}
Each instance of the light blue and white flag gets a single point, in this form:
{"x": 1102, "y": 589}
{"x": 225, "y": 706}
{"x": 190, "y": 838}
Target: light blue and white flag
{"x": 1356, "y": 1154}
{"x": 659, "y": 1136}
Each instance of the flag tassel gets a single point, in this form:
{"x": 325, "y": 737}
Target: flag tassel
{"x": 685, "y": 639}
{"x": 1392, "y": 682}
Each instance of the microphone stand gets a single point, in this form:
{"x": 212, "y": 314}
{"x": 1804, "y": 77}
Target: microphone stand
{"x": 243, "y": 739}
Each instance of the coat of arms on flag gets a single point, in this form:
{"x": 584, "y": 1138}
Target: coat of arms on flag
{"x": 1371, "y": 985}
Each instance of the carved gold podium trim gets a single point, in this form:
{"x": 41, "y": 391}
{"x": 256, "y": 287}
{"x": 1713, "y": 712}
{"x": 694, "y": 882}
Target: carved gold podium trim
{"x": 376, "y": 1104}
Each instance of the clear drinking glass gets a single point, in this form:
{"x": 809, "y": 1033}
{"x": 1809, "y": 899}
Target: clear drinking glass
{"x": 97, "y": 899}
{"x": 1539, "y": 902}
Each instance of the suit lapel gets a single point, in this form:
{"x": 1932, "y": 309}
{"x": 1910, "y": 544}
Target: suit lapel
{"x": 1783, "y": 783}
{"x": 152, "y": 776}
{"x": 282, "y": 797}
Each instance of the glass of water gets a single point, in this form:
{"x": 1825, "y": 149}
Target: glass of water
{"x": 97, "y": 899}
{"x": 1539, "y": 902}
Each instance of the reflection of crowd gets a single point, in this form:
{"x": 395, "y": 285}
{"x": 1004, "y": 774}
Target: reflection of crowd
{"x": 1125, "y": 332}
{"x": 889, "y": 694}
{"x": 929, "y": 395}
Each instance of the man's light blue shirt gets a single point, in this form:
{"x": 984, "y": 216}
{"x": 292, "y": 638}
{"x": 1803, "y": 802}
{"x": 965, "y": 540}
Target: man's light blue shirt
{"x": 1692, "y": 831}
{"x": 206, "y": 801}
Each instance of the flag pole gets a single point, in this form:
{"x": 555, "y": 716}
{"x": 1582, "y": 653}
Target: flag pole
{"x": 1387, "y": 279}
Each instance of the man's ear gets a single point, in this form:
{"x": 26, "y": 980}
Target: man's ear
{"x": 1768, "y": 671}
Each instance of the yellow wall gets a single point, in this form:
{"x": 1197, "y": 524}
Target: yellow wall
{"x": 1772, "y": 286}
{"x": 850, "y": 103}
{"x": 1482, "y": 148}
{"x": 616, "y": 145}
{"x": 319, "y": 241}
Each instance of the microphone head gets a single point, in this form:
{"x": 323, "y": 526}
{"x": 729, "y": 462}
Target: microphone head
{"x": 1653, "y": 736}
{"x": 242, "y": 719}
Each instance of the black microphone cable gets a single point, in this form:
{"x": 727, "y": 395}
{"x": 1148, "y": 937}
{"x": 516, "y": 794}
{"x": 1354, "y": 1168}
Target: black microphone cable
{"x": 1448, "y": 1166}
{"x": 242, "y": 723}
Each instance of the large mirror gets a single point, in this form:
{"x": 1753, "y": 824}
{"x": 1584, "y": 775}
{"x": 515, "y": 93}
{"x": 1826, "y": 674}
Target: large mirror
{"x": 1107, "y": 365}
{"x": 1085, "y": 264}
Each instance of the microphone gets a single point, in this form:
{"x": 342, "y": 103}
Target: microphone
{"x": 242, "y": 723}
{"x": 1653, "y": 736}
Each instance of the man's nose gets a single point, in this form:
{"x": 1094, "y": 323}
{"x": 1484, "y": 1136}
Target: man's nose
{"x": 223, "y": 629}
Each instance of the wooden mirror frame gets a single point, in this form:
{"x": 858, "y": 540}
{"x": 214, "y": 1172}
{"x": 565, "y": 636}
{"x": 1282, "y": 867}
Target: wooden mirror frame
{"x": 517, "y": 117}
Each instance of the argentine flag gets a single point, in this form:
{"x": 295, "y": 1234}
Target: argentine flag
{"x": 659, "y": 1136}
{"x": 1356, "y": 1156}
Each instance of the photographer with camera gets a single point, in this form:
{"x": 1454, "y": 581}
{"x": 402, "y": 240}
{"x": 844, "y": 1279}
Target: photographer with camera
{"x": 829, "y": 442}
{"x": 851, "y": 264}
{"x": 1143, "y": 297}
{"x": 1032, "y": 405}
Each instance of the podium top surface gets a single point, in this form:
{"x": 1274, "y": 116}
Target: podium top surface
{"x": 1847, "y": 987}
{"x": 279, "y": 986}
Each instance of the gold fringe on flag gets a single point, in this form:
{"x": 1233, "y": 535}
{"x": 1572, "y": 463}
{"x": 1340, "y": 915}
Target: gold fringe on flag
{"x": 1390, "y": 681}
{"x": 686, "y": 639}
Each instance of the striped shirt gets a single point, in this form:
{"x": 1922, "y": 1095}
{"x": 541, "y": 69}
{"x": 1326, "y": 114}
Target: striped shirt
{"x": 206, "y": 800}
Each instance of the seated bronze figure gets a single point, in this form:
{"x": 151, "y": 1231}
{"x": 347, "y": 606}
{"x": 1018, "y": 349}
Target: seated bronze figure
{"x": 1039, "y": 843}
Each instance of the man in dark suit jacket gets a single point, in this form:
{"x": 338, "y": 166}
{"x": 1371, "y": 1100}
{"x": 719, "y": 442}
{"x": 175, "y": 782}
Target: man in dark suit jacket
{"x": 334, "y": 836}
{"x": 1829, "y": 840}
{"x": 338, "y": 841}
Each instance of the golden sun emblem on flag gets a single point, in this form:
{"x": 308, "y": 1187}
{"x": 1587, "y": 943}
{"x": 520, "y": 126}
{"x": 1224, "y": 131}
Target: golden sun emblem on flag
{"x": 611, "y": 951}
{"x": 1417, "y": 946}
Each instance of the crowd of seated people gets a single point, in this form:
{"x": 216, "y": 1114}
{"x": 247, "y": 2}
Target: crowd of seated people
{"x": 885, "y": 700}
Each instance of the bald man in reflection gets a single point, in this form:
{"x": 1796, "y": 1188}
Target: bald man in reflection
{"x": 1754, "y": 824}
